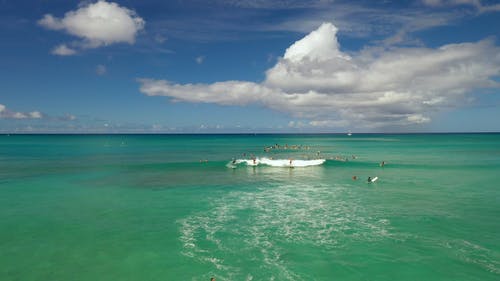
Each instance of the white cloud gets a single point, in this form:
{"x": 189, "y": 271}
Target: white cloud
{"x": 418, "y": 118}
{"x": 9, "y": 114}
{"x": 224, "y": 93}
{"x": 200, "y": 59}
{"x": 296, "y": 124}
{"x": 160, "y": 38}
{"x": 63, "y": 50}
{"x": 35, "y": 114}
{"x": 320, "y": 44}
{"x": 97, "y": 24}
{"x": 6, "y": 113}
{"x": 48, "y": 21}
{"x": 101, "y": 69}
{"x": 377, "y": 86}
{"x": 67, "y": 117}
{"x": 329, "y": 123}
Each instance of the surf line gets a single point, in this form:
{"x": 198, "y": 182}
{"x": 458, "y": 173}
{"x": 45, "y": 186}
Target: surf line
{"x": 278, "y": 162}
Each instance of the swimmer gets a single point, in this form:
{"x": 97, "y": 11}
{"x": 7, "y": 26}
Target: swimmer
{"x": 369, "y": 179}
{"x": 382, "y": 164}
{"x": 354, "y": 178}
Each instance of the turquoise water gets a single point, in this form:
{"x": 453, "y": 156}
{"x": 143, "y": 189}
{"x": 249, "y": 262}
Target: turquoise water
{"x": 149, "y": 207}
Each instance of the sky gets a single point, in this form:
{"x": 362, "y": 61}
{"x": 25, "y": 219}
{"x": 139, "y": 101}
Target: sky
{"x": 253, "y": 66}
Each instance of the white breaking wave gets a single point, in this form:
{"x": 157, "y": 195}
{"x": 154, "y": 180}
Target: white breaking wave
{"x": 279, "y": 162}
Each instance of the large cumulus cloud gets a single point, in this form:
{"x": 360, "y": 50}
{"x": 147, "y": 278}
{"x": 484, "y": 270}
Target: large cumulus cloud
{"x": 377, "y": 86}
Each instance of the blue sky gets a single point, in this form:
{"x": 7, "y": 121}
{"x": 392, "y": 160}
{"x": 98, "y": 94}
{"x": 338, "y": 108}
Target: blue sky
{"x": 230, "y": 66}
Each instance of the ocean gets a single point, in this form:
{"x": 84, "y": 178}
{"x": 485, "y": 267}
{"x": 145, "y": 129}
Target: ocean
{"x": 176, "y": 207}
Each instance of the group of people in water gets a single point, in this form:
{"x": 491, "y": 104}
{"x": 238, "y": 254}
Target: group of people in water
{"x": 286, "y": 146}
{"x": 370, "y": 179}
{"x": 317, "y": 155}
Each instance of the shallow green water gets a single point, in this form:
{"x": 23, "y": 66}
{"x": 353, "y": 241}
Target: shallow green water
{"x": 143, "y": 207}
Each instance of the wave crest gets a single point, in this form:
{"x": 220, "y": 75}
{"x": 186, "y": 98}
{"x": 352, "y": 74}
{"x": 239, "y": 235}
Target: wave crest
{"x": 279, "y": 162}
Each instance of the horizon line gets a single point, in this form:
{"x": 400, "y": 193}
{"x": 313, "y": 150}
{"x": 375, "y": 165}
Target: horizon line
{"x": 248, "y": 133}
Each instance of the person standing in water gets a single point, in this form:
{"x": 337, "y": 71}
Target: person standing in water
{"x": 369, "y": 179}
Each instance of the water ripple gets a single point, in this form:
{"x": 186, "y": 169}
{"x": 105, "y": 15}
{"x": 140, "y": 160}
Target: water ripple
{"x": 263, "y": 224}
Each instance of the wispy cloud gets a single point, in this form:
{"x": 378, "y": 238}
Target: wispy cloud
{"x": 63, "y": 50}
{"x": 101, "y": 69}
{"x": 392, "y": 26}
{"x": 200, "y": 59}
{"x": 265, "y": 18}
{"x": 374, "y": 87}
{"x": 96, "y": 24}
{"x": 277, "y": 4}
{"x": 6, "y": 113}
{"x": 160, "y": 38}
{"x": 480, "y": 7}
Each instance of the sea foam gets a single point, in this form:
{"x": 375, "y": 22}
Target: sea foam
{"x": 278, "y": 162}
